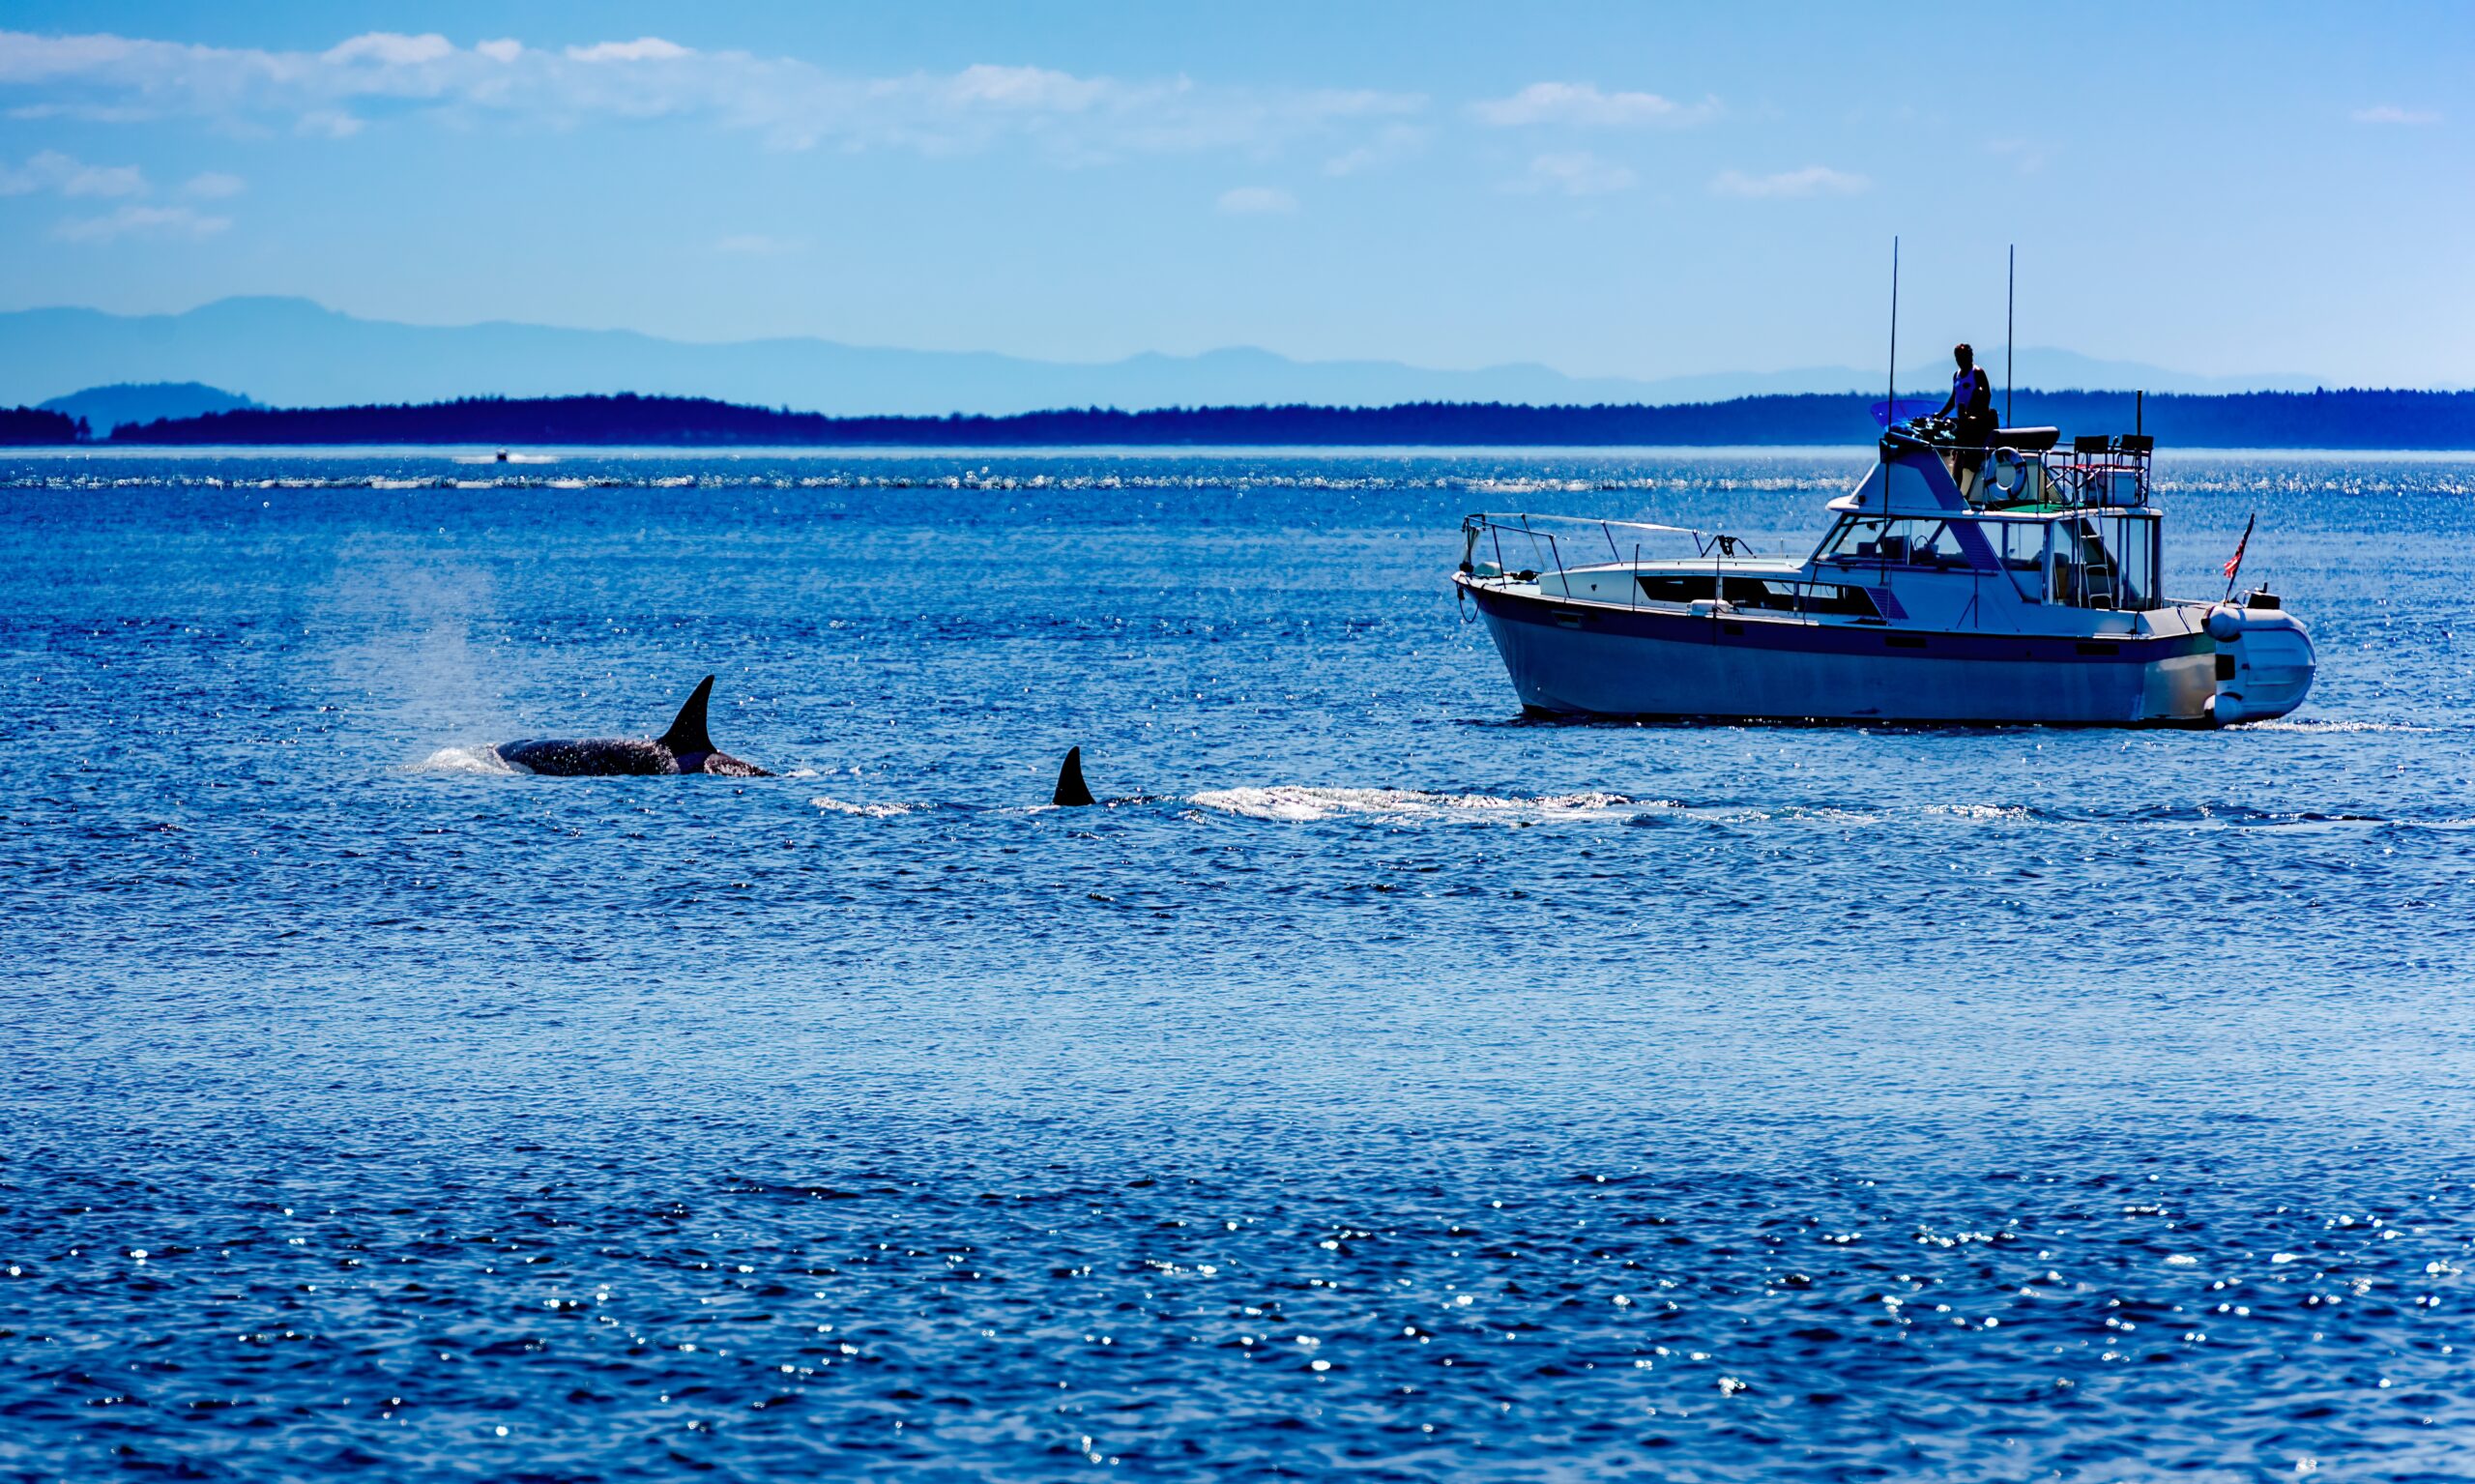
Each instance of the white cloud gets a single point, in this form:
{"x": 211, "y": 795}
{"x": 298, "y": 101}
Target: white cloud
{"x": 1789, "y": 184}
{"x": 788, "y": 102}
{"x": 54, "y": 171}
{"x": 759, "y": 244}
{"x": 2027, "y": 159}
{"x": 644, "y": 48}
{"x": 141, "y": 222}
{"x": 1578, "y": 173}
{"x": 386, "y": 49}
{"x": 1031, "y": 89}
{"x": 63, "y": 175}
{"x": 1394, "y": 142}
{"x": 1583, "y": 104}
{"x": 2389, "y": 113}
{"x": 330, "y": 124}
{"x": 1257, "y": 201}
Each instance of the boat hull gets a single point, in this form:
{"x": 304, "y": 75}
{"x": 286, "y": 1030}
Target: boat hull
{"x": 1588, "y": 661}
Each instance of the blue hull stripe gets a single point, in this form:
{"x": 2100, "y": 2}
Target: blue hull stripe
{"x": 1745, "y": 630}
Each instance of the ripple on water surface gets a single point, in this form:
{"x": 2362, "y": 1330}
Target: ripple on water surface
{"x": 1386, "y": 1304}
{"x": 1378, "y": 1085}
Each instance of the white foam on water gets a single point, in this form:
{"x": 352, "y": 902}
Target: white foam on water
{"x": 832, "y": 805}
{"x": 1984, "y": 811}
{"x": 1818, "y": 814}
{"x": 467, "y": 760}
{"x": 1300, "y": 805}
{"x": 2331, "y": 726}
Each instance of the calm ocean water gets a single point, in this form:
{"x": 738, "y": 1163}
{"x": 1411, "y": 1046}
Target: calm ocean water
{"x": 1382, "y": 1087}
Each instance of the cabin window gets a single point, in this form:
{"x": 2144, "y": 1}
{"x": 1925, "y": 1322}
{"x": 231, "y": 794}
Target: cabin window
{"x": 2135, "y": 542}
{"x": 1938, "y": 547}
{"x": 1667, "y": 588}
{"x": 2073, "y": 577}
{"x": 1771, "y": 594}
{"x": 1895, "y": 543}
{"x": 1787, "y": 595}
{"x": 2105, "y": 561}
{"x": 2023, "y": 545}
{"x": 1853, "y": 603}
{"x": 1760, "y": 593}
{"x": 1857, "y": 535}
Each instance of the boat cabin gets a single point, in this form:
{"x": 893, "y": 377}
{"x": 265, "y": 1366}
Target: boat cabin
{"x": 2075, "y": 530}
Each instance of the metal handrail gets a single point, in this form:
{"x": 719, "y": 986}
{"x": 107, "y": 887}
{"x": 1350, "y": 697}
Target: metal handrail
{"x": 2063, "y": 472}
{"x": 1704, "y": 542}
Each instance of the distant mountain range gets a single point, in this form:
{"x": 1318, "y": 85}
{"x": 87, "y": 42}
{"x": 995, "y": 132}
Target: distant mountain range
{"x": 292, "y": 352}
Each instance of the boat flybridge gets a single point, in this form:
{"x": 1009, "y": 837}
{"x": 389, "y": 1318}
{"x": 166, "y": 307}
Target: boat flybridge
{"x": 2022, "y": 588}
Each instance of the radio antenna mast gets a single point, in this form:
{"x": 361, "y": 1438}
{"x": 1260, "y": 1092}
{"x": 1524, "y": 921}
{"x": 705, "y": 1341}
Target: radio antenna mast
{"x": 2010, "y": 307}
{"x": 1890, "y": 405}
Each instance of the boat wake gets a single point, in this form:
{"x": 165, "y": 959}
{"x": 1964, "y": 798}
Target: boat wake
{"x": 2329, "y": 726}
{"x": 1300, "y": 805}
{"x": 826, "y": 804}
{"x": 1297, "y": 805}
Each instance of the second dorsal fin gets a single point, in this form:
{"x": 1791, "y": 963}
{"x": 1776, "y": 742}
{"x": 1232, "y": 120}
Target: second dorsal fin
{"x": 1071, "y": 791}
{"x": 688, "y": 732}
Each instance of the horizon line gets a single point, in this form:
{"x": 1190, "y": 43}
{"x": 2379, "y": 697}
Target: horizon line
{"x": 1367, "y": 358}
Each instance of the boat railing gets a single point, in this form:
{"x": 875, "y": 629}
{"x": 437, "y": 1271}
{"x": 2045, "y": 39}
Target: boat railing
{"x": 2109, "y": 469}
{"x": 2031, "y": 465}
{"x": 1521, "y": 546}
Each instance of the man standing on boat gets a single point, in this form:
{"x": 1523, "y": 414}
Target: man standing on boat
{"x": 1971, "y": 407}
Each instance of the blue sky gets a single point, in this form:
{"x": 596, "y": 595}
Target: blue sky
{"x": 1628, "y": 189}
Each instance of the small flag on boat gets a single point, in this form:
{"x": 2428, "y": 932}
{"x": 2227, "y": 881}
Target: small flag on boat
{"x": 2234, "y": 563}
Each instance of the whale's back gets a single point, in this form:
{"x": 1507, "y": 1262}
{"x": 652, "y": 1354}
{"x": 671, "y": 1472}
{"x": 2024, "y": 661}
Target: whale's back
{"x": 589, "y": 757}
{"x": 686, "y": 747}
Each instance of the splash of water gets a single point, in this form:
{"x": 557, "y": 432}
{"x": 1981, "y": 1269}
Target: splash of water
{"x": 1298, "y": 804}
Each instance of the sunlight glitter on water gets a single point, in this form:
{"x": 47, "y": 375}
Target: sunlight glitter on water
{"x": 1299, "y": 804}
{"x": 1744, "y": 1103}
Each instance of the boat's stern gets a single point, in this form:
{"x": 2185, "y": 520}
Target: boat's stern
{"x": 2264, "y": 660}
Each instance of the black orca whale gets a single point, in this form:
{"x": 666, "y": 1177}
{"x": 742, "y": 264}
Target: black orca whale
{"x": 686, "y": 747}
{"x": 1071, "y": 791}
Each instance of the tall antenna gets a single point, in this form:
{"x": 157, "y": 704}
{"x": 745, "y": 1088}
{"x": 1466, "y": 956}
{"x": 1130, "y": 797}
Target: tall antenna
{"x": 1890, "y": 405}
{"x": 2010, "y": 307}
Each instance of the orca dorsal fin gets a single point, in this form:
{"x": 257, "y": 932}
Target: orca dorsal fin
{"x": 688, "y": 732}
{"x": 1071, "y": 791}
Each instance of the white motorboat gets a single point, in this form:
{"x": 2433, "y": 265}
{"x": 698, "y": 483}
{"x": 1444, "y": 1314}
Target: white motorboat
{"x": 2032, "y": 598}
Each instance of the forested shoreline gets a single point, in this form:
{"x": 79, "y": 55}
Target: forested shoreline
{"x": 37, "y": 427}
{"x": 2317, "y": 420}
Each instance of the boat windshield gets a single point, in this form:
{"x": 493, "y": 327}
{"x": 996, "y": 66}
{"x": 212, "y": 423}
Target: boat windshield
{"x": 1896, "y": 542}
